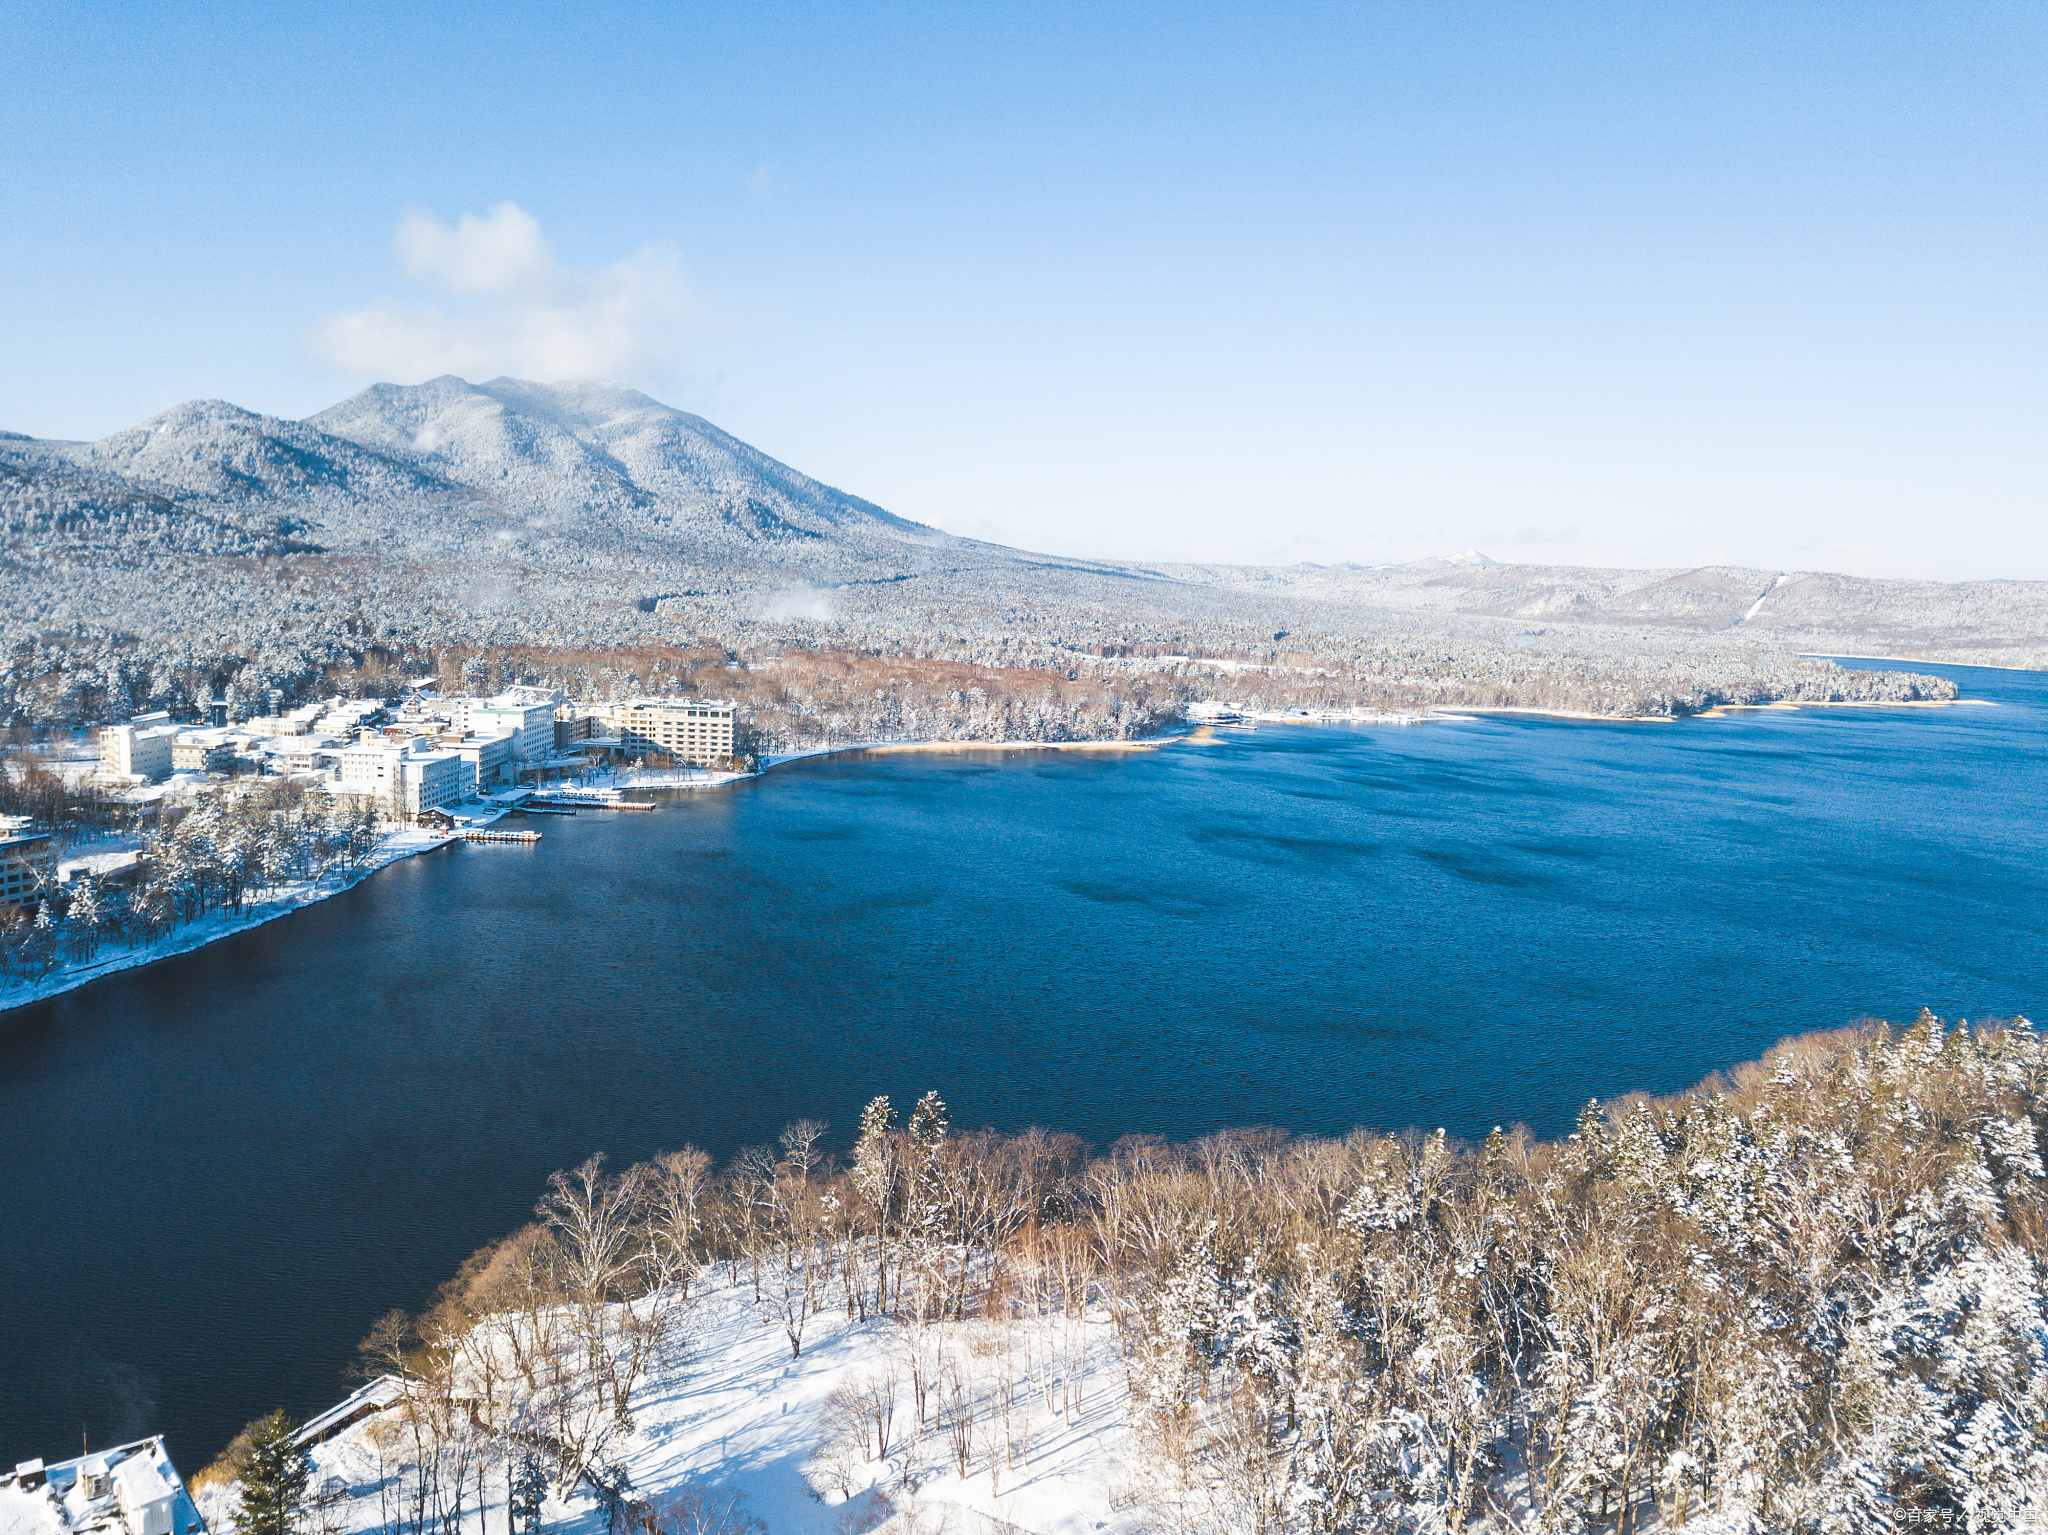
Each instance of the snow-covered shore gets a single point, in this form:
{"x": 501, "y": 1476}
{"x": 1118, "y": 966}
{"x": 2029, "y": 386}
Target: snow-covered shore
{"x": 736, "y": 1413}
{"x": 268, "y": 905}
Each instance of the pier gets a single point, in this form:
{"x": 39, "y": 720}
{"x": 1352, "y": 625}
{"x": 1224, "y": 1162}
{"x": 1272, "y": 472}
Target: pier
{"x": 501, "y": 836}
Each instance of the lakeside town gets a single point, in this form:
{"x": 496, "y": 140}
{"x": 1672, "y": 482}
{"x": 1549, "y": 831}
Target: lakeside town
{"x": 154, "y": 835}
{"x": 422, "y": 754}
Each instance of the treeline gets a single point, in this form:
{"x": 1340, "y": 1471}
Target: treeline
{"x": 69, "y": 810}
{"x": 224, "y": 852}
{"x": 906, "y": 675}
{"x": 1805, "y": 1299}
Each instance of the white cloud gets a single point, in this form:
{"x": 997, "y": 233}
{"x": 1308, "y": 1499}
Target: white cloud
{"x": 503, "y": 303}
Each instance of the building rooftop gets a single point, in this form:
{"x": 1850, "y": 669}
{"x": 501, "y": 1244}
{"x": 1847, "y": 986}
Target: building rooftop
{"x": 108, "y": 1490}
{"x": 525, "y": 698}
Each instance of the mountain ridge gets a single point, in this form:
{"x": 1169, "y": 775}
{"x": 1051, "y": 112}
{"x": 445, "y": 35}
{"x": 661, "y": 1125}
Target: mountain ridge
{"x": 589, "y": 513}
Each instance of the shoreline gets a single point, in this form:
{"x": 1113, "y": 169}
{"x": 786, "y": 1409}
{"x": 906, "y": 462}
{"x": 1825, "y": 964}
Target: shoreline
{"x": 1717, "y": 711}
{"x": 1989, "y": 666}
{"x": 215, "y": 926}
{"x": 411, "y": 842}
{"x": 1792, "y": 706}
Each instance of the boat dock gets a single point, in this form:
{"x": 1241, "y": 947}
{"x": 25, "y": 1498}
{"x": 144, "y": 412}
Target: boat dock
{"x": 501, "y": 836}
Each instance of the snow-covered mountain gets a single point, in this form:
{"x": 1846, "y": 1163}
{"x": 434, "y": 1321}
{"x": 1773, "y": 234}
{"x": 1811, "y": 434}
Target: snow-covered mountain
{"x": 577, "y": 449}
{"x": 590, "y": 514}
{"x": 214, "y": 449}
{"x": 416, "y": 470}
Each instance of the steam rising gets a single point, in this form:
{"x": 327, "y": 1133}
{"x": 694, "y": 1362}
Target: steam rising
{"x": 812, "y": 602}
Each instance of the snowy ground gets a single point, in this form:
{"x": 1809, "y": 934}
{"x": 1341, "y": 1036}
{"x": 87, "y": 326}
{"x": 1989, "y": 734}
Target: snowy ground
{"x": 737, "y": 1412}
{"x": 101, "y": 856}
{"x": 73, "y": 758}
{"x": 271, "y": 903}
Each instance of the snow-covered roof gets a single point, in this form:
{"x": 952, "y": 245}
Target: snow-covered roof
{"x": 99, "y": 865}
{"x": 385, "y": 1391}
{"x": 108, "y": 1490}
{"x": 525, "y": 698}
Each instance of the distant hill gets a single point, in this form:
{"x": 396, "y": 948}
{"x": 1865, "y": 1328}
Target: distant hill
{"x": 414, "y": 518}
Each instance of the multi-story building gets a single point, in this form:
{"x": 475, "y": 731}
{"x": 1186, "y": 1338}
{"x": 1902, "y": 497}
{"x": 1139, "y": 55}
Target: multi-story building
{"x": 571, "y": 730}
{"x": 403, "y": 777}
{"x": 528, "y": 713}
{"x": 303, "y": 754}
{"x": 696, "y": 731}
{"x": 431, "y": 779}
{"x": 139, "y": 749}
{"x": 28, "y": 864}
{"x": 202, "y": 751}
{"x": 345, "y": 716}
{"x": 487, "y": 759}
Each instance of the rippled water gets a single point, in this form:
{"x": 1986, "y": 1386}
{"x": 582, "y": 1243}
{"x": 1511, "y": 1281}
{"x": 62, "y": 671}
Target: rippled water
{"x": 222, "y": 1169}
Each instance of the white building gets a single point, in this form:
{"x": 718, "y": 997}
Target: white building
{"x": 487, "y": 759}
{"x": 139, "y": 749}
{"x": 528, "y": 713}
{"x": 403, "y": 777}
{"x": 303, "y": 754}
{"x": 696, "y": 731}
{"x": 345, "y": 716}
{"x": 270, "y": 726}
{"x": 132, "y": 1489}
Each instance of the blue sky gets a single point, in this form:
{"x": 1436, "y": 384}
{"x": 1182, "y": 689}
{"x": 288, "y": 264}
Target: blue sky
{"x": 1615, "y": 285}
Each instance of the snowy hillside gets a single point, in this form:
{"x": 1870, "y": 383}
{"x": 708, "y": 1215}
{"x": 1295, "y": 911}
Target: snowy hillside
{"x": 1806, "y": 1297}
{"x": 571, "y": 450}
{"x": 524, "y": 524}
{"x": 733, "y": 1413}
{"x": 212, "y": 448}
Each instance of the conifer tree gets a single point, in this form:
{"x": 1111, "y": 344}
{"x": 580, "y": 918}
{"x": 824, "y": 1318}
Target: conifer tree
{"x": 874, "y": 1175}
{"x": 529, "y": 1487}
{"x": 273, "y": 1474}
{"x": 926, "y": 1215}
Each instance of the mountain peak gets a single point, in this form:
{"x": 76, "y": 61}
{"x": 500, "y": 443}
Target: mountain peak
{"x": 1470, "y": 558}
{"x": 579, "y": 448}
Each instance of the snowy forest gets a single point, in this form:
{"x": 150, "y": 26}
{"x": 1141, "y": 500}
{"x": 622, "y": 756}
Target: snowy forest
{"x": 585, "y": 534}
{"x": 217, "y": 855}
{"x": 1806, "y": 1296}
{"x": 791, "y": 697}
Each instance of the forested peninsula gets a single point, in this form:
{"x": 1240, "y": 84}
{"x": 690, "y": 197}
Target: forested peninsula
{"x": 1805, "y": 1296}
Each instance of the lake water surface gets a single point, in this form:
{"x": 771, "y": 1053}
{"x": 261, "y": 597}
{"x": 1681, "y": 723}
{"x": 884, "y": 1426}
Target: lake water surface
{"x": 220, "y": 1170}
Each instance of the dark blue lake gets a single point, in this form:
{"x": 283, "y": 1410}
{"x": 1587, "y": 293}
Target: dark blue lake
{"x": 221, "y": 1170}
